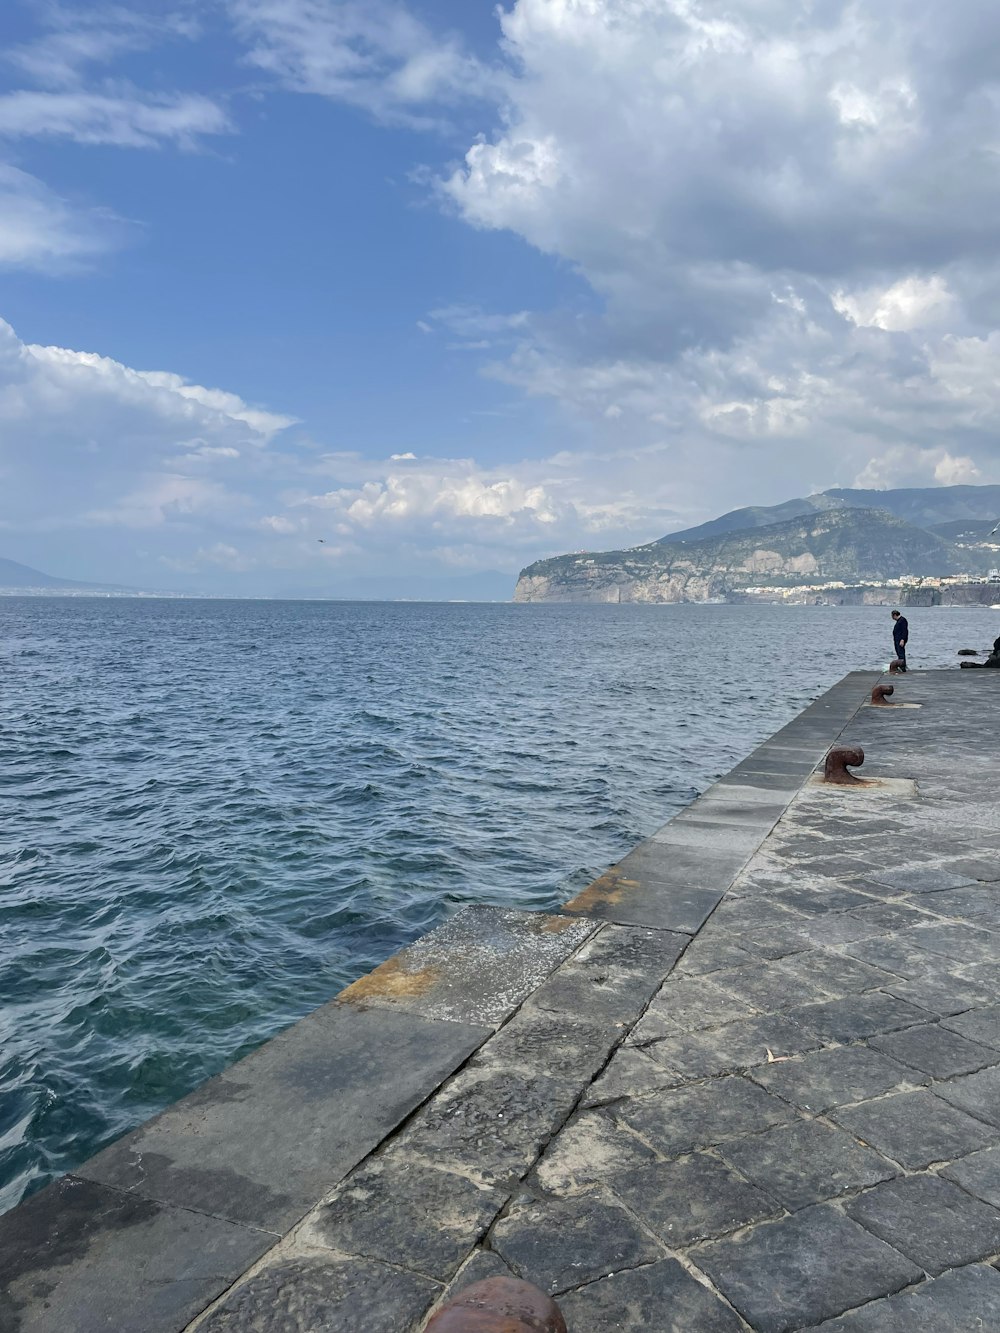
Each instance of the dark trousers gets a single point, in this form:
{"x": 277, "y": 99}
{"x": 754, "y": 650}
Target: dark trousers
{"x": 901, "y": 653}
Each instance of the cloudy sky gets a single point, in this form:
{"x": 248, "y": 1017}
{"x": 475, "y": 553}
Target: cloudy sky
{"x": 453, "y": 287}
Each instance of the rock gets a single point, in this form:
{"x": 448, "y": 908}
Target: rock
{"x": 968, "y": 652}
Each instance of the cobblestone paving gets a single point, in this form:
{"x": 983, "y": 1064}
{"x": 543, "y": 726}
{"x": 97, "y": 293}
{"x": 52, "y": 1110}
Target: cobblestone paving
{"x": 795, "y": 1126}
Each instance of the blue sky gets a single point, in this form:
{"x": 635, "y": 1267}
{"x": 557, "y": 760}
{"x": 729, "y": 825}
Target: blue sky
{"x": 454, "y": 287}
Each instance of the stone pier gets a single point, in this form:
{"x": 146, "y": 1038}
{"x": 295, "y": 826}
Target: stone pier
{"x": 748, "y": 1079}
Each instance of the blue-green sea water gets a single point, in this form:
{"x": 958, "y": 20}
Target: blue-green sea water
{"x": 213, "y": 815}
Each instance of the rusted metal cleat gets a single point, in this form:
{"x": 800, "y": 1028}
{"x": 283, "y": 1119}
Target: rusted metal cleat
{"x": 880, "y": 696}
{"x": 897, "y": 667}
{"x": 499, "y": 1305}
{"x": 835, "y": 770}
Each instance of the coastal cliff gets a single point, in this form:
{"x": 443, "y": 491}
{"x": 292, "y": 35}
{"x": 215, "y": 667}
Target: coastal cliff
{"x": 842, "y": 545}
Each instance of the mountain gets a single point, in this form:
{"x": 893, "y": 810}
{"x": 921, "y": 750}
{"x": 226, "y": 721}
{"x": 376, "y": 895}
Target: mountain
{"x": 835, "y": 542}
{"x": 13, "y": 575}
{"x": 924, "y": 507}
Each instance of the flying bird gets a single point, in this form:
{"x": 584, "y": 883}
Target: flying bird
{"x": 322, "y": 540}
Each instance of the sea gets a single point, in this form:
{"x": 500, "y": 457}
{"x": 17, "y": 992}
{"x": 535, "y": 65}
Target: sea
{"x": 215, "y": 814}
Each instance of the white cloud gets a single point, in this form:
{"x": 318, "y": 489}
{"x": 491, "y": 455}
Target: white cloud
{"x": 784, "y": 213}
{"x": 87, "y": 440}
{"x": 904, "y": 465}
{"x": 76, "y": 38}
{"x": 39, "y": 230}
{"x": 134, "y": 120}
{"x": 910, "y": 303}
{"x": 373, "y": 54}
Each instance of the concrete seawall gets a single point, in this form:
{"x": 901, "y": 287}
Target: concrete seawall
{"x": 749, "y": 1078}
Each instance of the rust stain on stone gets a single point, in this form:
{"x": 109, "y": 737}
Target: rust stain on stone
{"x": 391, "y": 980}
{"x": 609, "y": 889}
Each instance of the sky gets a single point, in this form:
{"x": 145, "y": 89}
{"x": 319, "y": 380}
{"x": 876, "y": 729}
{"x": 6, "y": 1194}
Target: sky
{"x": 296, "y": 294}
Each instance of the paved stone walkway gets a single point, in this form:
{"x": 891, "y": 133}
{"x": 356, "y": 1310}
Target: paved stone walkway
{"x": 749, "y": 1079}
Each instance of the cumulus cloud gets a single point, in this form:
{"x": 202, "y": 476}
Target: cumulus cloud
{"x": 786, "y": 213}
{"x": 119, "y": 447}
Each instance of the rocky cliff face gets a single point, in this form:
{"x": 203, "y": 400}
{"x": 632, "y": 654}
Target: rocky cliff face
{"x": 836, "y": 544}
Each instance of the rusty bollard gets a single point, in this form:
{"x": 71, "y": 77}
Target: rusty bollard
{"x": 879, "y": 696}
{"x": 897, "y": 667}
{"x": 835, "y": 770}
{"x": 499, "y": 1305}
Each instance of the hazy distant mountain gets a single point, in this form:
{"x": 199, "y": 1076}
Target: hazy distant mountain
{"x": 13, "y": 575}
{"x": 827, "y": 538}
{"x": 924, "y": 507}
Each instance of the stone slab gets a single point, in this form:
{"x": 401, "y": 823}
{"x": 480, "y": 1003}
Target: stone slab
{"x": 81, "y": 1258}
{"x": 591, "y": 1150}
{"x": 844, "y": 1074}
{"x": 489, "y": 1123}
{"x": 632, "y": 897}
{"x": 979, "y": 1174}
{"x": 663, "y": 1297}
{"x": 405, "y": 1214}
{"x": 613, "y": 976}
{"x": 684, "y": 1004}
{"x": 476, "y": 968}
{"x": 930, "y": 1220}
{"x": 559, "y": 1244}
{"x": 310, "y": 1293}
{"x": 734, "y": 1046}
{"x": 806, "y": 1163}
{"x": 834, "y": 973}
{"x": 703, "y": 1114}
{"x": 803, "y": 1269}
{"x": 981, "y": 1024}
{"x": 271, "y": 1136}
{"x": 559, "y": 1045}
{"x": 630, "y": 1073}
{"x": 768, "y": 988}
{"x": 693, "y": 1199}
{"x": 963, "y": 1301}
{"x": 936, "y": 1051}
{"x": 978, "y": 1094}
{"x": 856, "y": 1016}
{"x": 915, "y": 1128}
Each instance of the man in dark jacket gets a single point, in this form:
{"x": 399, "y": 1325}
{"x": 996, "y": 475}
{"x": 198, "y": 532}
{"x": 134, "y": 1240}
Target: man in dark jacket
{"x": 900, "y": 634}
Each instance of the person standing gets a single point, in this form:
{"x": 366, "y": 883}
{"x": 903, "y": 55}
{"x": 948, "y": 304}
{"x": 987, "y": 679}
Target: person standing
{"x": 900, "y": 635}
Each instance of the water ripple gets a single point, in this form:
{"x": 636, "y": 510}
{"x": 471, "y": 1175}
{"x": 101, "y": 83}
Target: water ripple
{"x": 216, "y": 814}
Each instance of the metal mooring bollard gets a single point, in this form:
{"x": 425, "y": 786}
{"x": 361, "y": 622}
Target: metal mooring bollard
{"x": 840, "y": 756}
{"x": 499, "y": 1305}
{"x": 896, "y": 667}
{"x": 879, "y": 695}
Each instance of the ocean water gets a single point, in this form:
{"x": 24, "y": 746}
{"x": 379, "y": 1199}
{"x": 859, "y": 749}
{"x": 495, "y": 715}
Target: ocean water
{"x": 216, "y": 814}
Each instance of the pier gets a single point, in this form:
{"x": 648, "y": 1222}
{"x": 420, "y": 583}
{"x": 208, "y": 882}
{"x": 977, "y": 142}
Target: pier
{"x": 748, "y": 1079}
